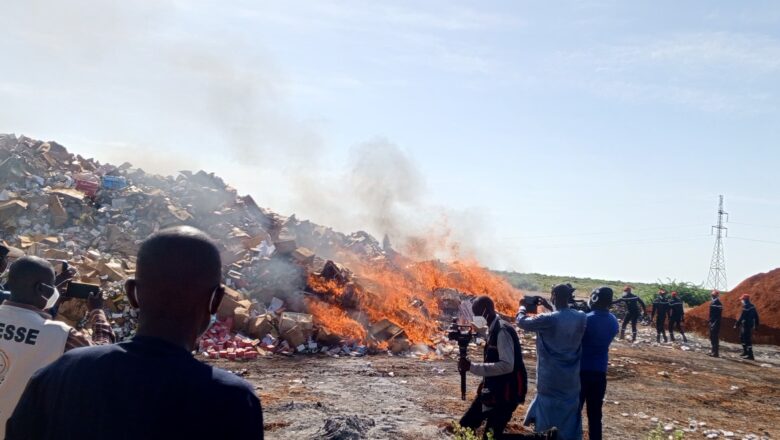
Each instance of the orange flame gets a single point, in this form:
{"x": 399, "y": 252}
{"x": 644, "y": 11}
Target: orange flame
{"x": 406, "y": 294}
{"x": 335, "y": 320}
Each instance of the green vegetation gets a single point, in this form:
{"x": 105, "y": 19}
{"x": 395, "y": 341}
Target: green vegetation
{"x": 692, "y": 294}
{"x": 659, "y": 434}
{"x": 461, "y": 433}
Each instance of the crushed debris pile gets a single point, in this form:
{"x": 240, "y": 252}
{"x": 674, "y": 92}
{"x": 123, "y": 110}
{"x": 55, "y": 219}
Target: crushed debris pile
{"x": 764, "y": 291}
{"x": 293, "y": 286}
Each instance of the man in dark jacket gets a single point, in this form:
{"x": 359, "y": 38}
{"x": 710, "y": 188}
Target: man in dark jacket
{"x": 716, "y": 311}
{"x": 634, "y": 306}
{"x": 660, "y": 312}
{"x": 748, "y": 322}
{"x": 676, "y": 316}
{"x": 504, "y": 382}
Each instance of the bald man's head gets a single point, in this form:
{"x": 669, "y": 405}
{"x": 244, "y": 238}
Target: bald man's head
{"x": 177, "y": 273}
{"x": 31, "y": 281}
{"x": 181, "y": 258}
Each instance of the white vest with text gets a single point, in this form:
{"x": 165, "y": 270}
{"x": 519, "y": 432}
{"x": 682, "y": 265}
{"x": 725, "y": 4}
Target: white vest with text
{"x": 28, "y": 342}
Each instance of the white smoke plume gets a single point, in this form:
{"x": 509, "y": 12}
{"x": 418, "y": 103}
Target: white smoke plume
{"x": 226, "y": 93}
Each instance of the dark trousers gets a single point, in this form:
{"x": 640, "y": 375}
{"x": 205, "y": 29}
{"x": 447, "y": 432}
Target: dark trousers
{"x": 714, "y": 337}
{"x": 746, "y": 337}
{"x": 593, "y": 387}
{"x": 631, "y": 317}
{"x": 660, "y": 329}
{"x": 676, "y": 323}
{"x": 497, "y": 418}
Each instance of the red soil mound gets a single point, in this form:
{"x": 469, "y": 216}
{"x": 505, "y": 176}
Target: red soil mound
{"x": 764, "y": 291}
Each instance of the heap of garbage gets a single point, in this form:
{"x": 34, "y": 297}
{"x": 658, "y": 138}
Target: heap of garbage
{"x": 292, "y": 285}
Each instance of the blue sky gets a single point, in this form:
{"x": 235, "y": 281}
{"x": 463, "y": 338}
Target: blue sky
{"x": 582, "y": 138}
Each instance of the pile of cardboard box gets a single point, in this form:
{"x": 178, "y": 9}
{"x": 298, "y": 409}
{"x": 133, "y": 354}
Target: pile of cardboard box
{"x": 61, "y": 206}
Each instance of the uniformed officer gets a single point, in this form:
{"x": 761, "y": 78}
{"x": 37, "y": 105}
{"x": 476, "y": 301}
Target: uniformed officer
{"x": 634, "y": 306}
{"x": 747, "y": 322}
{"x": 676, "y": 316}
{"x": 716, "y": 311}
{"x": 660, "y": 312}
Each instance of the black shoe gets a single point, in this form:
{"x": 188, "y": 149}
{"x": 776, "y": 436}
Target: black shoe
{"x": 750, "y": 357}
{"x": 744, "y": 355}
{"x": 712, "y": 355}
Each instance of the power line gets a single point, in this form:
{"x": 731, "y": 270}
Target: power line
{"x": 578, "y": 234}
{"x": 608, "y": 243}
{"x": 755, "y": 240}
{"x": 755, "y": 225}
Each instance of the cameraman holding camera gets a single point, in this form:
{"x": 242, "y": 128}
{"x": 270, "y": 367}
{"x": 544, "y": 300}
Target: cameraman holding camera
{"x": 29, "y": 338}
{"x": 558, "y": 350}
{"x": 504, "y": 380}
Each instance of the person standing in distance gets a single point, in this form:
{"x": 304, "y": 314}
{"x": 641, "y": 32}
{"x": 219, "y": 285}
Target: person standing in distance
{"x": 660, "y": 312}
{"x": 747, "y": 323}
{"x": 634, "y": 306}
{"x": 716, "y": 311}
{"x": 676, "y": 316}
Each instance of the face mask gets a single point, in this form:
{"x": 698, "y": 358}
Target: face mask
{"x": 479, "y": 322}
{"x": 52, "y": 300}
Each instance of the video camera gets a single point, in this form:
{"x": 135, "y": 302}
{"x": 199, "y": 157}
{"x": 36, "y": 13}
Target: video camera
{"x": 579, "y": 304}
{"x": 463, "y": 335}
{"x": 531, "y": 303}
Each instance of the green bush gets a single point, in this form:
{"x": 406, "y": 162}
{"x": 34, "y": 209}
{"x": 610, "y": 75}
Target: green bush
{"x": 691, "y": 294}
{"x": 659, "y": 434}
{"x": 461, "y": 433}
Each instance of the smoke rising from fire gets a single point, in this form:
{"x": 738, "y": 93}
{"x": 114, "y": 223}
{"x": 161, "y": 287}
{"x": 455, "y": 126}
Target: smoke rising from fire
{"x": 216, "y": 88}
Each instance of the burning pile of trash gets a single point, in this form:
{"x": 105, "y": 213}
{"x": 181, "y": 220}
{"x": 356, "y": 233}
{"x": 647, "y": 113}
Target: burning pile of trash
{"x": 293, "y": 286}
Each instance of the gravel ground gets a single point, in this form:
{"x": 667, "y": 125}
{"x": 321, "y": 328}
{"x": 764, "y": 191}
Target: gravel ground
{"x": 390, "y": 397}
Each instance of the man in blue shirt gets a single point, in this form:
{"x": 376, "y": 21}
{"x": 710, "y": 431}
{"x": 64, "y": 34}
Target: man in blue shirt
{"x": 152, "y": 383}
{"x": 558, "y": 351}
{"x": 601, "y": 328}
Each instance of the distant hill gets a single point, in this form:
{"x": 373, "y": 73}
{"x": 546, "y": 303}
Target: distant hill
{"x": 535, "y": 282}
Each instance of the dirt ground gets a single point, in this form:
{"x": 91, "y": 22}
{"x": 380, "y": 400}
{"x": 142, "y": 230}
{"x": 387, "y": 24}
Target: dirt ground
{"x": 389, "y": 397}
